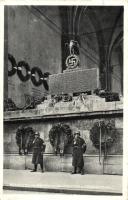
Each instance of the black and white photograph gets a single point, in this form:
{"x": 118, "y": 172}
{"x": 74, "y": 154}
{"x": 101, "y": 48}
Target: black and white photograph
{"x": 63, "y": 95}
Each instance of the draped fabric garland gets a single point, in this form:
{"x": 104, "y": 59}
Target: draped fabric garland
{"x": 37, "y": 77}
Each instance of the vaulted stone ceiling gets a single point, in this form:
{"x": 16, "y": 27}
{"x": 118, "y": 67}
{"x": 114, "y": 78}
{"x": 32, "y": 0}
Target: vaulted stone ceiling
{"x": 88, "y": 22}
{"x": 98, "y": 30}
{"x": 94, "y": 25}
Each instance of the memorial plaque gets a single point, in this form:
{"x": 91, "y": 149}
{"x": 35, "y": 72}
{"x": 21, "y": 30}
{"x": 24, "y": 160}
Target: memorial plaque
{"x": 74, "y": 81}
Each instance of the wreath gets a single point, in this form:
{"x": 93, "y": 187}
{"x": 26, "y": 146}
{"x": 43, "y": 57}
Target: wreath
{"x": 33, "y": 78}
{"x": 109, "y": 96}
{"x": 13, "y": 65}
{"x": 23, "y": 64}
{"x": 108, "y": 135}
{"x": 45, "y": 76}
{"x": 42, "y": 77}
{"x": 56, "y": 129}
{"x": 24, "y": 138}
{"x": 9, "y": 105}
{"x": 46, "y": 86}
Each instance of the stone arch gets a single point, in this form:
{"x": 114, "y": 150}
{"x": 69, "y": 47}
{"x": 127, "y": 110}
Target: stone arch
{"x": 115, "y": 39}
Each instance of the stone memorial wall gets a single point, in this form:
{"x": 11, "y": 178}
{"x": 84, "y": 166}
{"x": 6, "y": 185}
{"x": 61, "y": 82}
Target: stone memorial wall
{"x": 45, "y": 117}
{"x": 72, "y": 81}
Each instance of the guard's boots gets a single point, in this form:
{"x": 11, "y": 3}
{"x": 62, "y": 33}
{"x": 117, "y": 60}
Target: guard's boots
{"x": 82, "y": 171}
{"x": 41, "y": 165}
{"x": 74, "y": 170}
{"x": 35, "y": 168}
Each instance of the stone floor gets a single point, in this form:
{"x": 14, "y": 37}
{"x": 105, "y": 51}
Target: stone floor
{"x": 61, "y": 182}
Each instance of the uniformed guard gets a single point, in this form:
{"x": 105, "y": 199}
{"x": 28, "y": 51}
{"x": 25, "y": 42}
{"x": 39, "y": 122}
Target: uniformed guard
{"x": 38, "y": 150}
{"x": 79, "y": 147}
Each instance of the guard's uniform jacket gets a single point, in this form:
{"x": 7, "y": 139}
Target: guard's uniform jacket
{"x": 38, "y": 149}
{"x": 79, "y": 147}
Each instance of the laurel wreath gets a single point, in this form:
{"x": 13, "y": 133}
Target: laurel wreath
{"x": 21, "y": 131}
{"x": 13, "y": 65}
{"x": 9, "y": 105}
{"x": 57, "y": 129}
{"x": 109, "y": 96}
{"x": 108, "y": 135}
{"x": 33, "y": 77}
{"x": 21, "y": 65}
{"x": 30, "y": 73}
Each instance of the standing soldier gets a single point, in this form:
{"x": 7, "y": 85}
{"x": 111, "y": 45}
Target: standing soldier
{"x": 38, "y": 149}
{"x": 79, "y": 147}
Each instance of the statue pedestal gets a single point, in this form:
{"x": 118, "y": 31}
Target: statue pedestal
{"x": 74, "y": 81}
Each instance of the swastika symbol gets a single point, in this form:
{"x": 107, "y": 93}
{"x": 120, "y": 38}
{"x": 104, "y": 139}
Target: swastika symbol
{"x": 72, "y": 61}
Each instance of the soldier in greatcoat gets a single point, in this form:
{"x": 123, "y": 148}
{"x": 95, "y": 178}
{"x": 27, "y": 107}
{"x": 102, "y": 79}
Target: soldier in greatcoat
{"x": 38, "y": 150}
{"x": 79, "y": 147}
